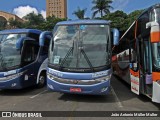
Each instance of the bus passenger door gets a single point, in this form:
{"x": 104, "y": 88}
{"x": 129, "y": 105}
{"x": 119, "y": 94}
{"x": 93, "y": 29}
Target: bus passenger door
{"x": 134, "y": 67}
{"x": 145, "y": 62}
{"x": 29, "y": 57}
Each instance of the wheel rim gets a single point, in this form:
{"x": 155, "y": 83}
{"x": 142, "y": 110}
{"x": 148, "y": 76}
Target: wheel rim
{"x": 41, "y": 80}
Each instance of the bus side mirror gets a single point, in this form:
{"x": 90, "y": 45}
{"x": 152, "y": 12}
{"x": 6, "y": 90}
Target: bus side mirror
{"x": 115, "y": 36}
{"x": 155, "y": 31}
{"x": 42, "y": 37}
{"x": 20, "y": 42}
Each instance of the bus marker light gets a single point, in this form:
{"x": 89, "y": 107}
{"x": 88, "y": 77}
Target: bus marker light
{"x": 104, "y": 89}
{"x": 14, "y": 84}
{"x": 50, "y": 86}
{"x": 26, "y": 77}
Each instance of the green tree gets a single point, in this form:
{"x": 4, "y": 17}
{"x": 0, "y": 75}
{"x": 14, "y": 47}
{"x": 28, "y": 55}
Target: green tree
{"x": 50, "y": 22}
{"x": 121, "y": 20}
{"x": 15, "y": 24}
{"x": 3, "y": 23}
{"x": 117, "y": 19}
{"x": 133, "y": 16}
{"x": 101, "y": 6}
{"x": 79, "y": 13}
{"x": 33, "y": 20}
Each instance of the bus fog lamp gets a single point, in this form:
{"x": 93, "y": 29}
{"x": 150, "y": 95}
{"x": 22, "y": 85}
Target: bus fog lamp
{"x": 104, "y": 89}
{"x": 14, "y": 84}
{"x": 50, "y": 86}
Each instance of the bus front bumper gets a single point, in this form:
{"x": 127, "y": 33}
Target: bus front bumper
{"x": 11, "y": 84}
{"x": 95, "y": 89}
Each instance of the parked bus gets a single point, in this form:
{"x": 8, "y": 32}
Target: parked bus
{"x": 80, "y": 57}
{"x": 136, "y": 59}
{"x": 23, "y": 58}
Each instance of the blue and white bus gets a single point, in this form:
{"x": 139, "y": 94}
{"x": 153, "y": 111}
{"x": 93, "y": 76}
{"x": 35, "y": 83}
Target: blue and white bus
{"x": 80, "y": 57}
{"x": 23, "y": 58}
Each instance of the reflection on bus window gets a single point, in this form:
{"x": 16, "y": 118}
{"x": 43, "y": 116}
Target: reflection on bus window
{"x": 9, "y": 55}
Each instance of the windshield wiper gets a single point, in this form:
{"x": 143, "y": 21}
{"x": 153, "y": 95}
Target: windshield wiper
{"x": 87, "y": 59}
{"x": 67, "y": 55}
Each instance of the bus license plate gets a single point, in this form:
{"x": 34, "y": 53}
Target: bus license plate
{"x": 75, "y": 90}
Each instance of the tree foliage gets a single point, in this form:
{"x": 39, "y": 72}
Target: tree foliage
{"x": 79, "y": 13}
{"x": 3, "y": 22}
{"x": 14, "y": 24}
{"x": 121, "y": 20}
{"x": 117, "y": 20}
{"x": 133, "y": 16}
{"x": 33, "y": 20}
{"x": 101, "y": 6}
{"x": 50, "y": 22}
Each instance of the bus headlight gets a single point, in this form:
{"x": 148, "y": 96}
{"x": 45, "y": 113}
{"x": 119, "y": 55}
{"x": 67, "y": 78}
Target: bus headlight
{"x": 103, "y": 79}
{"x": 49, "y": 76}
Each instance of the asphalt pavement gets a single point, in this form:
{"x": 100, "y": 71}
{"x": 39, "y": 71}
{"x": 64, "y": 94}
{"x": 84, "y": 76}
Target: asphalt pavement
{"x": 119, "y": 99}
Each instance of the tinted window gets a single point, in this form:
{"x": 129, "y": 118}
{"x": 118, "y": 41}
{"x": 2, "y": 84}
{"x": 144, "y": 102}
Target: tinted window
{"x": 34, "y": 36}
{"x": 30, "y": 53}
{"x": 142, "y": 24}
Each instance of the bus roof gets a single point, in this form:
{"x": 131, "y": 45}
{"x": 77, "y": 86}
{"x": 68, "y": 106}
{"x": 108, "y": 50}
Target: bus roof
{"x": 21, "y": 31}
{"x": 79, "y": 22}
{"x": 148, "y": 9}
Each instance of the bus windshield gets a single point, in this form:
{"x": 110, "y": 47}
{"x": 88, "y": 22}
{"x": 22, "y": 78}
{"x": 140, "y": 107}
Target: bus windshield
{"x": 156, "y": 15}
{"x": 9, "y": 55}
{"x": 81, "y": 46}
{"x": 156, "y": 54}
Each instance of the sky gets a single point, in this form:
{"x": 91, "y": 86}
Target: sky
{"x": 23, "y": 7}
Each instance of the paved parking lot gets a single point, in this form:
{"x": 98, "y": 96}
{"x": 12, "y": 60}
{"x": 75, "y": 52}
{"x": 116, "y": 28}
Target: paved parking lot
{"x": 119, "y": 99}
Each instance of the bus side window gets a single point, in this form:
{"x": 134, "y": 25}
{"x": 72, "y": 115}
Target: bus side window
{"x": 34, "y": 36}
{"x": 147, "y": 57}
{"x": 142, "y": 30}
{"x": 132, "y": 46}
{"x": 30, "y": 53}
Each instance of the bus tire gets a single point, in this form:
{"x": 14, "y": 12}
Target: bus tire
{"x": 41, "y": 80}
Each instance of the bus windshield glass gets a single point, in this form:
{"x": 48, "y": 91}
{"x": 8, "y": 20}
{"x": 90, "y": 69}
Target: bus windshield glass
{"x": 156, "y": 54}
{"x": 156, "y": 15}
{"x": 81, "y": 46}
{"x": 9, "y": 55}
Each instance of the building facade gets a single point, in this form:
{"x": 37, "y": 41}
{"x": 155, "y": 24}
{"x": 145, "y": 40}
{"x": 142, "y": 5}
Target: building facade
{"x": 8, "y": 16}
{"x": 4, "y": 20}
{"x": 58, "y": 8}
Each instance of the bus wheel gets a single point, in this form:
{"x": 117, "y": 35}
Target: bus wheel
{"x": 42, "y": 80}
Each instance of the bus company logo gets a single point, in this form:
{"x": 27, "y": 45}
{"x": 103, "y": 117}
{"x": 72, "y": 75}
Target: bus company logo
{"x": 6, "y": 114}
{"x": 99, "y": 74}
{"x": 75, "y": 81}
{"x": 59, "y": 74}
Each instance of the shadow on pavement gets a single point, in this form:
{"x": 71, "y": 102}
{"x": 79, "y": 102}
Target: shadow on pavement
{"x": 87, "y": 98}
{"x": 121, "y": 90}
{"x": 124, "y": 93}
{"x": 110, "y": 98}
